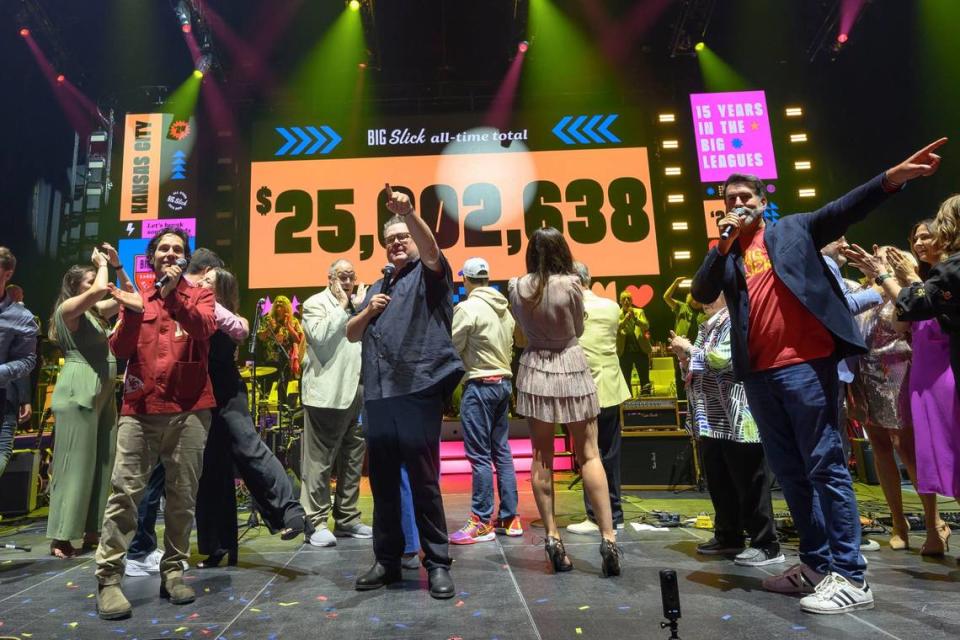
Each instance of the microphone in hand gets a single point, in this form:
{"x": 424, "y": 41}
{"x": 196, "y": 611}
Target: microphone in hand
{"x": 387, "y": 272}
{"x": 727, "y": 230}
{"x": 162, "y": 282}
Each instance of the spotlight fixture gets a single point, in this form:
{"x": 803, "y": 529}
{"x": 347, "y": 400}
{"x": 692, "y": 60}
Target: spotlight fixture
{"x": 793, "y": 112}
{"x": 25, "y": 32}
{"x": 203, "y": 65}
{"x": 679, "y": 226}
{"x": 672, "y": 171}
{"x": 842, "y": 38}
{"x": 523, "y": 46}
{"x": 664, "y": 118}
{"x": 798, "y": 137}
{"x": 802, "y": 165}
{"x": 354, "y": 5}
{"x": 182, "y": 11}
{"x": 700, "y": 46}
{"x": 675, "y": 198}
{"x": 681, "y": 255}
{"x": 807, "y": 193}
{"x": 670, "y": 144}
{"x": 61, "y": 79}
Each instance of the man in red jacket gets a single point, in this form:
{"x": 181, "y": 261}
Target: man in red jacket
{"x": 167, "y": 399}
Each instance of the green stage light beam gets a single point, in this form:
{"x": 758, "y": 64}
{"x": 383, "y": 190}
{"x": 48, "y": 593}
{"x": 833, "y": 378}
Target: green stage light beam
{"x": 717, "y": 74}
{"x": 940, "y": 49}
{"x": 560, "y": 59}
{"x": 329, "y": 75}
{"x": 182, "y": 102}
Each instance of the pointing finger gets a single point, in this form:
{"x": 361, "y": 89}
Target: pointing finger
{"x": 389, "y": 190}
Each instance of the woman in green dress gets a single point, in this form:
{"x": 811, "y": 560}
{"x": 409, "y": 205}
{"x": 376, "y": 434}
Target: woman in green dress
{"x": 83, "y": 402}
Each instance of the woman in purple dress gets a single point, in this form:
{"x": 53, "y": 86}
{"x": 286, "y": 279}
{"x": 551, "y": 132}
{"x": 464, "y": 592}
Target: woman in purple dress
{"x": 933, "y": 405}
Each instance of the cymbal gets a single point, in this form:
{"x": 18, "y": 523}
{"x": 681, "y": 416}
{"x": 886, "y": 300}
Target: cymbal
{"x": 247, "y": 372}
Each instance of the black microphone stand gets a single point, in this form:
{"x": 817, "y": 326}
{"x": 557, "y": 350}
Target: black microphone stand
{"x": 253, "y": 520}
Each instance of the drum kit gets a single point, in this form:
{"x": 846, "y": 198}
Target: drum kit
{"x": 278, "y": 414}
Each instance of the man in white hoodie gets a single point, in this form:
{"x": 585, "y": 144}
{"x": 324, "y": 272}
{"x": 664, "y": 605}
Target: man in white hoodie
{"x": 483, "y": 336}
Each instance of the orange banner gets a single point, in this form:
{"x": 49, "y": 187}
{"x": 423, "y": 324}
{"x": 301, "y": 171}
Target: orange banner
{"x": 713, "y": 210}
{"x": 306, "y": 214}
{"x": 140, "y": 186}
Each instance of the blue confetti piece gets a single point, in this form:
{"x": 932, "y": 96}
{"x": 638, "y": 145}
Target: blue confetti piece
{"x": 52, "y": 611}
{"x": 374, "y": 619}
{"x": 797, "y": 627}
{"x": 272, "y": 636}
{"x": 624, "y": 607}
{"x": 264, "y": 617}
{"x": 231, "y": 598}
{"x": 542, "y": 600}
{"x": 726, "y": 617}
{"x": 463, "y": 594}
{"x": 181, "y": 616}
{"x": 400, "y": 625}
{"x": 154, "y": 621}
{"x": 26, "y": 601}
{"x": 477, "y": 614}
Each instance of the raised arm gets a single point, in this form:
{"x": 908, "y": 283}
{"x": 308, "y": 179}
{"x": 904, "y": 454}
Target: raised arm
{"x": 668, "y": 294}
{"x": 72, "y": 308}
{"x": 399, "y": 203}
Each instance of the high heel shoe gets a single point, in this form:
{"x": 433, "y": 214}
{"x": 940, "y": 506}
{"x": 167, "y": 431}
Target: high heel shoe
{"x": 213, "y": 560}
{"x": 936, "y": 547}
{"x": 900, "y": 542}
{"x": 557, "y": 555}
{"x": 610, "y": 555}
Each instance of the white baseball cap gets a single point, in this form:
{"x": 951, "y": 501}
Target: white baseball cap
{"x": 475, "y": 268}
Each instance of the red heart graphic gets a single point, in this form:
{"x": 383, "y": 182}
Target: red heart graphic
{"x": 641, "y": 295}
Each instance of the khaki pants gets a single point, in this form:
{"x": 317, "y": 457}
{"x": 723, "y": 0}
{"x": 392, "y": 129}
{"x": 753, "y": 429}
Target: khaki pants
{"x": 177, "y": 440}
{"x": 332, "y": 442}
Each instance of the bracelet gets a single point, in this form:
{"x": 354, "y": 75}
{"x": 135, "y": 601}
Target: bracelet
{"x": 881, "y": 277}
{"x": 118, "y": 267}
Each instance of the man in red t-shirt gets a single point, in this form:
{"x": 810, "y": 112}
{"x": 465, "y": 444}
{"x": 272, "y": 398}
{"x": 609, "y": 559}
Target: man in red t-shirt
{"x": 789, "y": 325}
{"x": 167, "y": 398}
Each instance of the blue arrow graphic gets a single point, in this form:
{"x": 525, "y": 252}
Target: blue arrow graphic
{"x": 558, "y": 129}
{"x": 605, "y": 131}
{"x": 305, "y": 141}
{"x": 589, "y": 129}
{"x": 320, "y": 140}
{"x": 290, "y": 142}
{"x": 572, "y": 130}
{"x": 334, "y": 139}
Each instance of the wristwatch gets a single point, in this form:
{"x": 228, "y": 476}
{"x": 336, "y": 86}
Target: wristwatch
{"x": 881, "y": 277}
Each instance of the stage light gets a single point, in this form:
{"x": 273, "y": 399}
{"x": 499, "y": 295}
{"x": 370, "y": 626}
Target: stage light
{"x": 842, "y": 38}
{"x": 686, "y": 283}
{"x": 672, "y": 171}
{"x": 354, "y": 5}
{"x": 802, "y": 165}
{"x": 679, "y": 226}
{"x": 362, "y": 65}
{"x": 793, "y": 112}
{"x": 182, "y": 11}
{"x": 670, "y": 144}
{"x": 666, "y": 117}
{"x": 675, "y": 198}
{"x": 700, "y": 46}
{"x": 61, "y": 79}
{"x": 798, "y": 137}
{"x": 807, "y": 193}
{"x": 523, "y": 46}
{"x": 25, "y": 32}
{"x": 681, "y": 255}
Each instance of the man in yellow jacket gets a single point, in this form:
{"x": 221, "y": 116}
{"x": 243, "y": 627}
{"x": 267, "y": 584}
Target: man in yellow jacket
{"x": 483, "y": 336}
{"x": 633, "y": 345}
{"x": 599, "y": 343}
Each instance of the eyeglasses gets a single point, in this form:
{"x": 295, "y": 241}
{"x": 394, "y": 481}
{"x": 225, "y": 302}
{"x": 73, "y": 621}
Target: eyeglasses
{"x": 397, "y": 237}
{"x": 346, "y": 277}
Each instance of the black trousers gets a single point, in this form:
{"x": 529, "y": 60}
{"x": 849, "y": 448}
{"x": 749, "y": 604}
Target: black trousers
{"x": 609, "y": 438}
{"x": 739, "y": 483}
{"x": 233, "y": 440}
{"x": 638, "y": 359}
{"x": 406, "y": 430}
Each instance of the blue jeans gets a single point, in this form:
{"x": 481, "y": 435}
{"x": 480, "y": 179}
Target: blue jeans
{"x": 145, "y": 540}
{"x": 408, "y": 519}
{"x": 483, "y": 413}
{"x": 796, "y": 412}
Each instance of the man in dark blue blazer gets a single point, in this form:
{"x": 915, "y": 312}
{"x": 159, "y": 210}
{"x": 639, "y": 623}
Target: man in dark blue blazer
{"x": 790, "y": 324}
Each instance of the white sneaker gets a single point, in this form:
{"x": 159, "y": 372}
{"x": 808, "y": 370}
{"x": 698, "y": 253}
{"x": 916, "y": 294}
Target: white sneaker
{"x": 144, "y": 566}
{"x": 867, "y": 544}
{"x": 797, "y": 579}
{"x": 836, "y": 594}
{"x": 322, "y": 537}
{"x": 356, "y": 530}
{"x": 756, "y": 557}
{"x": 588, "y": 528}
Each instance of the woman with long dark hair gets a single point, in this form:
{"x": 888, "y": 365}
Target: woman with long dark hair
{"x": 233, "y": 439}
{"x": 83, "y": 401}
{"x": 554, "y": 385}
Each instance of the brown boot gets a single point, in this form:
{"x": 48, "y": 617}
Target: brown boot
{"x": 175, "y": 590}
{"x": 111, "y": 603}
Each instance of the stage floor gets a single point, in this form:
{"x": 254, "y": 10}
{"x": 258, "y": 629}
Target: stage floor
{"x": 288, "y": 590}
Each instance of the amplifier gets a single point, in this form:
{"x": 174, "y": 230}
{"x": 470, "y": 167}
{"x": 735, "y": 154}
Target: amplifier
{"x": 658, "y": 461}
{"x": 19, "y": 494}
{"x": 652, "y": 411}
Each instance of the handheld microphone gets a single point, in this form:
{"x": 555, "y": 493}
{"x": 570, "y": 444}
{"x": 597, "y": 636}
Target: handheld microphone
{"x": 387, "y": 272}
{"x": 728, "y": 229}
{"x": 159, "y": 284}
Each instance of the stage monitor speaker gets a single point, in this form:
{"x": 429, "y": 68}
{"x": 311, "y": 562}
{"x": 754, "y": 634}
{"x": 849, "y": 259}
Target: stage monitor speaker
{"x": 650, "y": 412}
{"x": 657, "y": 461}
{"x": 19, "y": 481}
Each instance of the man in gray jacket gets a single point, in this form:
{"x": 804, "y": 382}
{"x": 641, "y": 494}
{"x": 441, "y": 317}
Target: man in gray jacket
{"x": 332, "y": 398}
